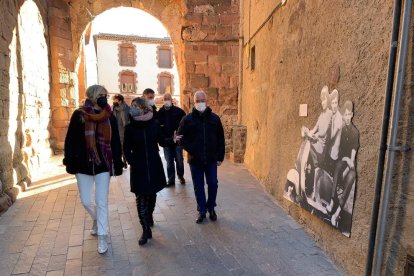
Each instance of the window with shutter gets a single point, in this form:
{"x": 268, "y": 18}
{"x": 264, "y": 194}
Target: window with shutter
{"x": 164, "y": 83}
{"x": 164, "y": 58}
{"x": 128, "y": 80}
{"x": 127, "y": 55}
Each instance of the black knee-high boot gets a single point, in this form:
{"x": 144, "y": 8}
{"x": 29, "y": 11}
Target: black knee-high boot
{"x": 152, "y": 201}
{"x": 143, "y": 208}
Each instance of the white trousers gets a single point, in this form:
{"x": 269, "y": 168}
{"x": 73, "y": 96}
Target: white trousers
{"x": 98, "y": 211}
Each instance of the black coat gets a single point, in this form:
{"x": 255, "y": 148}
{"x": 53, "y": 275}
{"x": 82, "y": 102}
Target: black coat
{"x": 170, "y": 121}
{"x": 203, "y": 137}
{"x": 142, "y": 153}
{"x": 76, "y": 157}
{"x": 155, "y": 112}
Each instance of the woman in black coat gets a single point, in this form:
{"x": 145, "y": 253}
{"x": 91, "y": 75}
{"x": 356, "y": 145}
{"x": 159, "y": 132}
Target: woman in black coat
{"x": 93, "y": 153}
{"x": 141, "y": 150}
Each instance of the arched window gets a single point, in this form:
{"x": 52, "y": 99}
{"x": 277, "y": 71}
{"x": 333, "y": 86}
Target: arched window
{"x": 164, "y": 57}
{"x": 165, "y": 83}
{"x": 127, "y": 54}
{"x": 127, "y": 81}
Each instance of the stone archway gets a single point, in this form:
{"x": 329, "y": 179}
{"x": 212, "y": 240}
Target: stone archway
{"x": 205, "y": 35}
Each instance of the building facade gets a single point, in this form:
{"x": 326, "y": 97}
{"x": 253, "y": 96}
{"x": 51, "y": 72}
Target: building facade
{"x": 129, "y": 64}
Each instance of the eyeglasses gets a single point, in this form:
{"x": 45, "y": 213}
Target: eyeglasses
{"x": 103, "y": 95}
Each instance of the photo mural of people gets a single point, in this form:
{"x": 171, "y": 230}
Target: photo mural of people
{"x": 324, "y": 178}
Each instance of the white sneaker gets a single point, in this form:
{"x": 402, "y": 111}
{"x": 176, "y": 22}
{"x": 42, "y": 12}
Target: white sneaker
{"x": 102, "y": 244}
{"x": 94, "y": 229}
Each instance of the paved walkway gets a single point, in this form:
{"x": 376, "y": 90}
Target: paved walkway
{"x": 46, "y": 232}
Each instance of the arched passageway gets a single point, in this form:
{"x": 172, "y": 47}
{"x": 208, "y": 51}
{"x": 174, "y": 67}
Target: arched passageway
{"x": 41, "y": 66}
{"x": 205, "y": 39}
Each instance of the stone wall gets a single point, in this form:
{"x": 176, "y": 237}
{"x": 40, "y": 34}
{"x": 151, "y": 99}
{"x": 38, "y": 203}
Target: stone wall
{"x": 302, "y": 47}
{"x": 211, "y": 43}
{"x": 64, "y": 85}
{"x": 24, "y": 93}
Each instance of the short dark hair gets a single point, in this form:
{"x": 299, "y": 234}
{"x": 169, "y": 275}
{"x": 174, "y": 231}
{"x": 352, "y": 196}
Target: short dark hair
{"x": 118, "y": 97}
{"x": 148, "y": 91}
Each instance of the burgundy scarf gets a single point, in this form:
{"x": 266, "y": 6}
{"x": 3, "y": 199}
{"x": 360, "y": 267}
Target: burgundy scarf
{"x": 98, "y": 131}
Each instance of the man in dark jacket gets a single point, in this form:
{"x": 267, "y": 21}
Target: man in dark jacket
{"x": 149, "y": 95}
{"x": 169, "y": 117}
{"x": 201, "y": 135}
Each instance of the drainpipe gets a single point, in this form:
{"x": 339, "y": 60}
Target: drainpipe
{"x": 241, "y": 43}
{"x": 393, "y": 136}
{"x": 384, "y": 134}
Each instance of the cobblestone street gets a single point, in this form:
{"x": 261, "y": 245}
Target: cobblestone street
{"x": 46, "y": 232}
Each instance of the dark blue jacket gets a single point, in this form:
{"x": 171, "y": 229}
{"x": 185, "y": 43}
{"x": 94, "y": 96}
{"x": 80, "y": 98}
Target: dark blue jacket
{"x": 203, "y": 137}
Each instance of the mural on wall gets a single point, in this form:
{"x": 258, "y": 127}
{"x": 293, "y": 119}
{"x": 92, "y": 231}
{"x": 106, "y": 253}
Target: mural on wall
{"x": 323, "y": 181}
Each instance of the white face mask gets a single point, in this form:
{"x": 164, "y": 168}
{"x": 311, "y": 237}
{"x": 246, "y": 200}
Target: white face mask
{"x": 167, "y": 104}
{"x": 200, "y": 106}
{"x": 151, "y": 102}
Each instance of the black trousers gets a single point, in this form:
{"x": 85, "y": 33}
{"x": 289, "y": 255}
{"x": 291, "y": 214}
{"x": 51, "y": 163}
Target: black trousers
{"x": 347, "y": 181}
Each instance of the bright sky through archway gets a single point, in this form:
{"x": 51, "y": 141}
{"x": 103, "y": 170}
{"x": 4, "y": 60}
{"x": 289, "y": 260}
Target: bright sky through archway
{"x": 129, "y": 21}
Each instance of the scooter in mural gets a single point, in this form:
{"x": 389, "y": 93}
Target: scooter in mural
{"x": 311, "y": 186}
{"x": 307, "y": 184}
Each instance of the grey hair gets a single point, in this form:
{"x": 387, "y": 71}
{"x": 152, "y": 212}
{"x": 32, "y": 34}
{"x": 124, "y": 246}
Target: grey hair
{"x": 94, "y": 90}
{"x": 142, "y": 104}
{"x": 200, "y": 92}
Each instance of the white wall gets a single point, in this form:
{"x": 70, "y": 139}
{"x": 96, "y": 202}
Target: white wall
{"x": 146, "y": 67}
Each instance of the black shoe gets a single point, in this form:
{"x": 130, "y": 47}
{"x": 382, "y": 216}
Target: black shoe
{"x": 146, "y": 234}
{"x": 143, "y": 240}
{"x": 169, "y": 184}
{"x": 213, "y": 215}
{"x": 182, "y": 180}
{"x": 200, "y": 218}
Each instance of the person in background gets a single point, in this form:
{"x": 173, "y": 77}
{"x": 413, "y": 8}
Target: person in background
{"x": 93, "y": 153}
{"x": 149, "y": 95}
{"x": 121, "y": 112}
{"x": 170, "y": 117}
